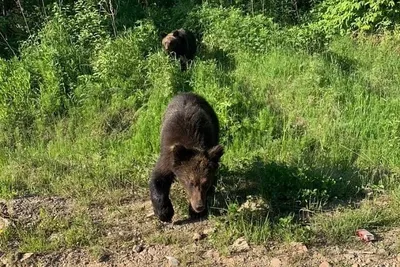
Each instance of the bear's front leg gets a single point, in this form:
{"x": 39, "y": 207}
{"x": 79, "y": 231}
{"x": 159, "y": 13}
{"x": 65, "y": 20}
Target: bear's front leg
{"x": 160, "y": 185}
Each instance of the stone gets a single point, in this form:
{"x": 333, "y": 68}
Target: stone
{"x": 209, "y": 231}
{"x": 26, "y": 256}
{"x": 4, "y": 224}
{"x": 54, "y": 237}
{"x": 275, "y": 262}
{"x": 172, "y": 262}
{"x": 210, "y": 254}
{"x": 197, "y": 236}
{"x": 300, "y": 247}
{"x": 240, "y": 245}
{"x": 104, "y": 257}
{"x": 138, "y": 248}
{"x": 324, "y": 264}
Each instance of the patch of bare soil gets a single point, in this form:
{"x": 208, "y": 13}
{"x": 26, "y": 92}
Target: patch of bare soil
{"x": 27, "y": 210}
{"x": 131, "y": 237}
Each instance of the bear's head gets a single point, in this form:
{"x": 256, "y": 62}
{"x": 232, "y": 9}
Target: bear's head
{"x": 196, "y": 169}
{"x": 171, "y": 42}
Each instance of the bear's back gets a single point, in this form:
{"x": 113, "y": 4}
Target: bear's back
{"x": 191, "y": 121}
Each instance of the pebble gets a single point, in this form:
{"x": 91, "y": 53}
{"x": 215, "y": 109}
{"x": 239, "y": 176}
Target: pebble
{"x": 240, "y": 245}
{"x": 172, "y": 262}
{"x": 275, "y": 262}
{"x": 138, "y": 248}
{"x": 150, "y": 214}
{"x": 324, "y": 264}
{"x": 197, "y": 236}
{"x": 26, "y": 256}
{"x": 4, "y": 223}
{"x": 209, "y": 231}
{"x": 300, "y": 247}
{"x": 105, "y": 257}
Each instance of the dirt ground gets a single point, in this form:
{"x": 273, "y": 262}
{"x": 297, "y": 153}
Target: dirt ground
{"x": 133, "y": 237}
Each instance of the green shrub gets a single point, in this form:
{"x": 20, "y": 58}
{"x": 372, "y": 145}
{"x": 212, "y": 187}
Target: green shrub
{"x": 337, "y": 16}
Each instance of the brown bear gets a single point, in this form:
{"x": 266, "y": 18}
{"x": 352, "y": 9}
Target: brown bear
{"x": 190, "y": 153}
{"x": 180, "y": 44}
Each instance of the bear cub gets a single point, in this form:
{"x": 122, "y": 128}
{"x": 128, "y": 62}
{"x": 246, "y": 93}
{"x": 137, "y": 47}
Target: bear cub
{"x": 180, "y": 44}
{"x": 190, "y": 153}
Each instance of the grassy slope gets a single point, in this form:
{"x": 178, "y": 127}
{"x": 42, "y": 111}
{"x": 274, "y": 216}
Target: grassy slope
{"x": 300, "y": 129}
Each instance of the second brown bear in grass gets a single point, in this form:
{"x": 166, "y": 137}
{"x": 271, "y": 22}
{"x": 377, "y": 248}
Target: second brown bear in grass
{"x": 190, "y": 153}
{"x": 180, "y": 44}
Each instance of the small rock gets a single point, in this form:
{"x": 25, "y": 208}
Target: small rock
{"x": 275, "y": 262}
{"x": 4, "y": 261}
{"x": 300, "y": 247}
{"x": 209, "y": 231}
{"x": 324, "y": 264}
{"x": 197, "y": 236}
{"x": 4, "y": 223}
{"x": 209, "y": 254}
{"x": 54, "y": 237}
{"x": 105, "y": 257}
{"x": 172, "y": 262}
{"x": 398, "y": 257}
{"x": 138, "y": 248}
{"x": 355, "y": 265}
{"x": 26, "y": 256}
{"x": 240, "y": 245}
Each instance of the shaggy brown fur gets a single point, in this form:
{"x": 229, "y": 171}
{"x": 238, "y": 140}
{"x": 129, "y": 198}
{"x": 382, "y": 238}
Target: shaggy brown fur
{"x": 180, "y": 44}
{"x": 190, "y": 153}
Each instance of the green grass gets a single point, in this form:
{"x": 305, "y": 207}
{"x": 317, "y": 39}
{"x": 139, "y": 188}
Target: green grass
{"x": 373, "y": 215}
{"x": 50, "y": 233}
{"x": 301, "y": 128}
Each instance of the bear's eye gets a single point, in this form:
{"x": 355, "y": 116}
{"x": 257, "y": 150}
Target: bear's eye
{"x": 191, "y": 184}
{"x": 213, "y": 166}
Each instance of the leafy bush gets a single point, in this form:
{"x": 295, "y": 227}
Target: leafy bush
{"x": 40, "y": 85}
{"x": 286, "y": 11}
{"x": 231, "y": 30}
{"x": 337, "y": 16}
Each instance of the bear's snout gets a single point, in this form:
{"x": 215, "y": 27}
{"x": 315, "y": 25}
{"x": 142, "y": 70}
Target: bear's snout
{"x": 198, "y": 207}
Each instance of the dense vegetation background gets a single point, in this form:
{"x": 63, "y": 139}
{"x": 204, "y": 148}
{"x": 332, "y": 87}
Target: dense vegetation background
{"x": 307, "y": 93}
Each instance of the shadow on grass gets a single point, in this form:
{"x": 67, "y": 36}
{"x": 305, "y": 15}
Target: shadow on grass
{"x": 345, "y": 64}
{"x": 188, "y": 221}
{"x": 290, "y": 189}
{"x": 224, "y": 61}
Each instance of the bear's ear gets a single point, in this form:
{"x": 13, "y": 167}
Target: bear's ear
{"x": 215, "y": 153}
{"x": 175, "y": 33}
{"x": 163, "y": 34}
{"x": 180, "y": 154}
